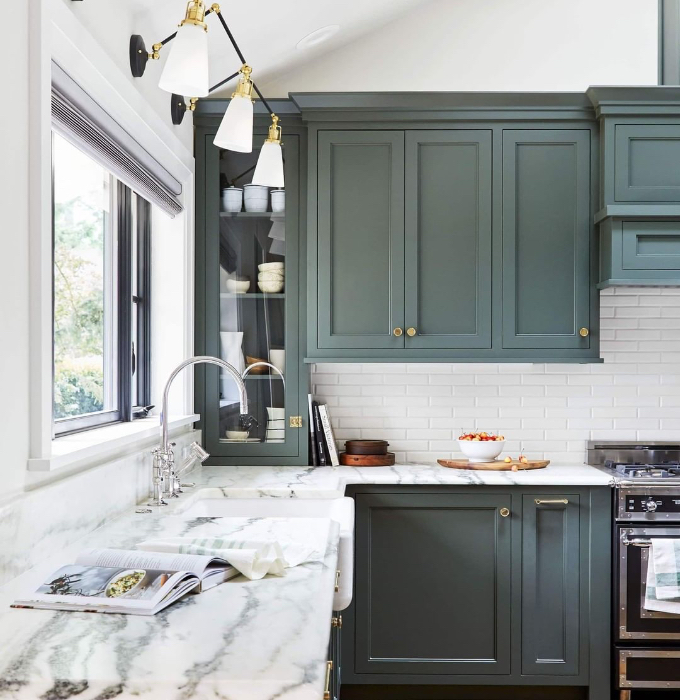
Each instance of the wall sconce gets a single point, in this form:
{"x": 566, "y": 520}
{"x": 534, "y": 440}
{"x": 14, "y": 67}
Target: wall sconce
{"x": 186, "y": 73}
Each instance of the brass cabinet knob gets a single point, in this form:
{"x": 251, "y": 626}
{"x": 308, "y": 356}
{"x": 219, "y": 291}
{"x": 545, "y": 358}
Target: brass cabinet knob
{"x": 504, "y": 512}
{"x": 398, "y": 331}
{"x": 410, "y": 332}
{"x": 584, "y": 332}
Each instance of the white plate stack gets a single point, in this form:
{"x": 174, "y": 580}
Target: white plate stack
{"x": 276, "y": 425}
{"x": 271, "y": 277}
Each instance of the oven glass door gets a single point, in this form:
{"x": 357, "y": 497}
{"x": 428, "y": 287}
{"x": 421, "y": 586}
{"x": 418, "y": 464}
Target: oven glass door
{"x": 634, "y": 621}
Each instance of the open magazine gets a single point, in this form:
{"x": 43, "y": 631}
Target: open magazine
{"x": 126, "y": 581}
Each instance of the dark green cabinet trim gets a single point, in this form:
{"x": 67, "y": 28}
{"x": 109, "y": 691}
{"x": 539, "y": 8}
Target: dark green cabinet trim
{"x": 643, "y": 252}
{"x": 360, "y": 239}
{"x": 551, "y": 577}
{"x": 448, "y": 238}
{"x": 546, "y": 239}
{"x": 418, "y": 551}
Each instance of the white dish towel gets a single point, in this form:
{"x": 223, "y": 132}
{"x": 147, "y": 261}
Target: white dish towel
{"x": 253, "y": 558}
{"x": 663, "y": 576}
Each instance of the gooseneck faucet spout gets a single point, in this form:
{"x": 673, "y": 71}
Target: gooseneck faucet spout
{"x": 164, "y": 459}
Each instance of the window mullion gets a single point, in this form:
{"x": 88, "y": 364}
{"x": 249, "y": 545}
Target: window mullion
{"x": 124, "y": 224}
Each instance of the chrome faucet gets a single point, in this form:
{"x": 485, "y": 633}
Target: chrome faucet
{"x": 165, "y": 480}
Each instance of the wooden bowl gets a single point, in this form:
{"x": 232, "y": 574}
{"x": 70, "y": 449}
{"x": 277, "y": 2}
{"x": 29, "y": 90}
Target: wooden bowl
{"x": 366, "y": 447}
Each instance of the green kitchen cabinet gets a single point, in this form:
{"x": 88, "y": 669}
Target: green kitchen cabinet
{"x": 361, "y": 239}
{"x": 246, "y": 325}
{"x": 480, "y": 586}
{"x": 547, "y": 238}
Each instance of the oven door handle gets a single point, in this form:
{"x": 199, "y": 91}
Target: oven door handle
{"x": 635, "y": 542}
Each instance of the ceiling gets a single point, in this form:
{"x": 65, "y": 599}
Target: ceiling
{"x": 267, "y": 32}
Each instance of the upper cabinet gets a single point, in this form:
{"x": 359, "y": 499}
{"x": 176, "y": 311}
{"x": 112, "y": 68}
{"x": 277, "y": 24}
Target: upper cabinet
{"x": 546, "y": 239}
{"x": 465, "y": 234}
{"x": 639, "y": 212}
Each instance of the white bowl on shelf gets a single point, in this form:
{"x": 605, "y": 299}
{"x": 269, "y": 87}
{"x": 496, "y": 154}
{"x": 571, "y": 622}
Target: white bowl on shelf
{"x": 270, "y": 266}
{"x": 270, "y": 286}
{"x": 256, "y": 197}
{"x": 271, "y": 276}
{"x": 237, "y": 434}
{"x": 237, "y": 286}
{"x": 481, "y": 451}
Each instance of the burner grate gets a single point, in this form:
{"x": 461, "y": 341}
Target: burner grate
{"x": 636, "y": 470}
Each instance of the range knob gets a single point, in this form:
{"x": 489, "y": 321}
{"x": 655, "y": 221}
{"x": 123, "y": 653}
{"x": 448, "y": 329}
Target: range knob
{"x": 650, "y": 505}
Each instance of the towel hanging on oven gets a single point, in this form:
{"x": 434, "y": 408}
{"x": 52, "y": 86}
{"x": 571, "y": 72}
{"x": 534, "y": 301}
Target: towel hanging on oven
{"x": 663, "y": 576}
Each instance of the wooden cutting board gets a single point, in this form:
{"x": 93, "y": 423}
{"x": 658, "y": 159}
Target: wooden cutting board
{"x": 348, "y": 460}
{"x": 498, "y": 466}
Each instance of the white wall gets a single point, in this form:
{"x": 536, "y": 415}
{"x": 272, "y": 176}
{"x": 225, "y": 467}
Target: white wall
{"x": 492, "y": 45}
{"x": 111, "y": 24}
{"x": 548, "y": 410}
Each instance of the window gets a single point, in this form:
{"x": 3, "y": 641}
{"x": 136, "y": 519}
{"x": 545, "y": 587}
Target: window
{"x": 102, "y": 234}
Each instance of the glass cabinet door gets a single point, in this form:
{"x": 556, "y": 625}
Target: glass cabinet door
{"x": 250, "y": 287}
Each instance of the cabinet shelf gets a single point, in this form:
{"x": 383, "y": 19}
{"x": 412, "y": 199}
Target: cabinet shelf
{"x": 276, "y": 215}
{"x": 253, "y": 295}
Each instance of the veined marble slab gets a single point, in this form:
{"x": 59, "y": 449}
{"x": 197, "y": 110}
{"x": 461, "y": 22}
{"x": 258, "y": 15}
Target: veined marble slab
{"x": 243, "y": 640}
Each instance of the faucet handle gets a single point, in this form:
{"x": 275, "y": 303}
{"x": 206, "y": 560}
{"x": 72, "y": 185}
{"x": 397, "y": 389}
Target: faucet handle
{"x": 246, "y": 421}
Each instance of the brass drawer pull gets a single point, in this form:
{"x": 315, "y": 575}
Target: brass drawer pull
{"x": 327, "y": 691}
{"x": 397, "y": 332}
{"x": 551, "y": 501}
{"x": 410, "y": 332}
{"x": 584, "y": 332}
{"x": 504, "y": 512}
{"x": 337, "y": 580}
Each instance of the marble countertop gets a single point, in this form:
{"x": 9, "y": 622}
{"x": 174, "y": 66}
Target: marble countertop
{"x": 243, "y": 640}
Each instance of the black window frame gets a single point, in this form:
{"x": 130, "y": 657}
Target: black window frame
{"x": 133, "y": 356}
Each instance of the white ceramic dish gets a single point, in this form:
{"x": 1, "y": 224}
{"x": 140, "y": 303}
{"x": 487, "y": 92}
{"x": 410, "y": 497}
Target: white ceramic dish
{"x": 270, "y": 286}
{"x": 275, "y": 434}
{"x": 276, "y": 424}
{"x": 478, "y": 451}
{"x": 275, "y": 413}
{"x": 232, "y": 199}
{"x": 273, "y": 276}
{"x": 256, "y": 197}
{"x": 278, "y": 200}
{"x": 237, "y": 286}
{"x": 237, "y": 434}
{"x": 268, "y": 267}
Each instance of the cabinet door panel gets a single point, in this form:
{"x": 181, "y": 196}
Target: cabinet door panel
{"x": 550, "y": 585}
{"x": 448, "y": 238}
{"x": 646, "y": 167}
{"x": 546, "y": 238}
{"x": 360, "y": 239}
{"x": 432, "y": 584}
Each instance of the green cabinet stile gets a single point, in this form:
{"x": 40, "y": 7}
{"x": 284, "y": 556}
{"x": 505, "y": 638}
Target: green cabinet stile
{"x": 546, "y": 238}
{"x": 361, "y": 239}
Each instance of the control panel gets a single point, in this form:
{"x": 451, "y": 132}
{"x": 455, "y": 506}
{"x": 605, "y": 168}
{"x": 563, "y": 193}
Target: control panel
{"x": 650, "y": 503}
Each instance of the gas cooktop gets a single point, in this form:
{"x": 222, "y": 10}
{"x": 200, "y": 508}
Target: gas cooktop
{"x": 640, "y": 470}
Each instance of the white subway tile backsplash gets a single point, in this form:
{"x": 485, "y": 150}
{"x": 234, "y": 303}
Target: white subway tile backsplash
{"x": 546, "y": 410}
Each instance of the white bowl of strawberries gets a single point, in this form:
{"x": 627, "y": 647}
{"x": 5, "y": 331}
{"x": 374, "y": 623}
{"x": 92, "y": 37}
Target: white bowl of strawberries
{"x": 481, "y": 447}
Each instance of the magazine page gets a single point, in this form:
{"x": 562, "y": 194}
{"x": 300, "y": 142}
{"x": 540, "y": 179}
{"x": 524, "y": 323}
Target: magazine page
{"x": 110, "y": 589}
{"x": 211, "y": 570}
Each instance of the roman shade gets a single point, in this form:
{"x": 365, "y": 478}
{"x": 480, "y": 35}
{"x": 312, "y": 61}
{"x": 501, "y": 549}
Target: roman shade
{"x": 83, "y": 122}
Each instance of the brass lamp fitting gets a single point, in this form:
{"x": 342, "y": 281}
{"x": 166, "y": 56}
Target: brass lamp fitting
{"x": 195, "y": 14}
{"x": 155, "y": 51}
{"x": 245, "y": 84}
{"x": 275, "y": 134}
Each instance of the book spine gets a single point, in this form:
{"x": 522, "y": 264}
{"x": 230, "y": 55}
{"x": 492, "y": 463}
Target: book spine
{"x": 328, "y": 435}
{"x": 319, "y": 434}
{"x": 313, "y": 447}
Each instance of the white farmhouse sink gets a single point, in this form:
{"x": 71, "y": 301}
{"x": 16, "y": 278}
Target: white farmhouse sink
{"x": 210, "y": 503}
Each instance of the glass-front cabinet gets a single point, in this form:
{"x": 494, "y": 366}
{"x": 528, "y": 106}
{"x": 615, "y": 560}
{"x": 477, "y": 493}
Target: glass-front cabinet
{"x": 248, "y": 301}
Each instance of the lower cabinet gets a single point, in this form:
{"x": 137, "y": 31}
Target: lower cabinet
{"x": 480, "y": 586}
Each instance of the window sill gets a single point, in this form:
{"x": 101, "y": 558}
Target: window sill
{"x": 94, "y": 445}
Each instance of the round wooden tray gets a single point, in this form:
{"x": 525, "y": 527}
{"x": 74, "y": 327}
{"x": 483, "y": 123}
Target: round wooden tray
{"x": 366, "y": 460}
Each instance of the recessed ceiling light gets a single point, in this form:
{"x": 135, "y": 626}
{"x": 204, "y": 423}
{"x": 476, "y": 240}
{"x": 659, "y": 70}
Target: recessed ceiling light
{"x": 317, "y": 37}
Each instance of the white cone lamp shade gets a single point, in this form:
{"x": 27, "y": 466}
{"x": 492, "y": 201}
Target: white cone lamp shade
{"x": 236, "y": 129}
{"x": 269, "y": 168}
{"x": 186, "y": 69}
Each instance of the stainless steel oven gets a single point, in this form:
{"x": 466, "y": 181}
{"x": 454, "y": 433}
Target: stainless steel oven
{"x": 634, "y": 621}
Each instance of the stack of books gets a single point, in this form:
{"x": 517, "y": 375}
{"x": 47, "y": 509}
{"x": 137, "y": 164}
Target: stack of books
{"x": 322, "y": 446}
